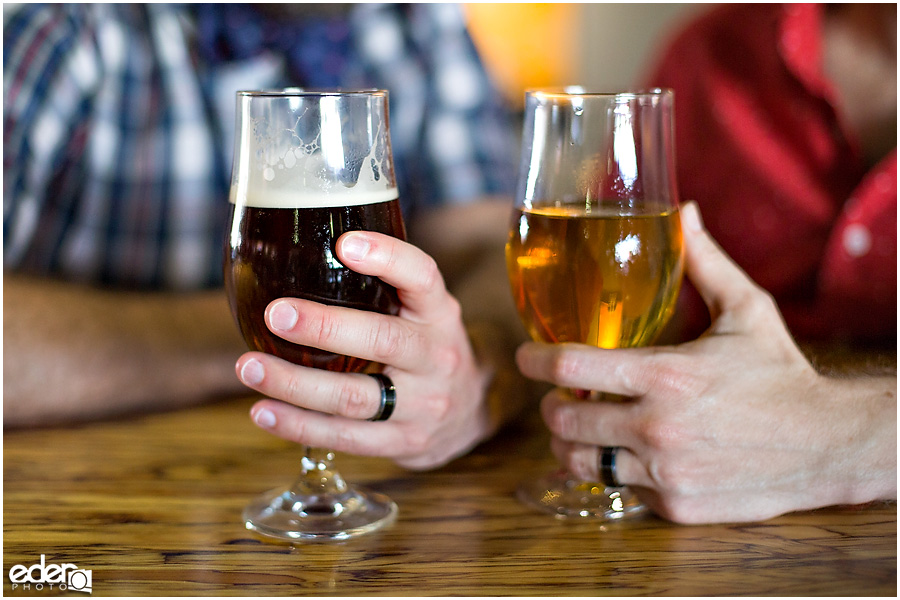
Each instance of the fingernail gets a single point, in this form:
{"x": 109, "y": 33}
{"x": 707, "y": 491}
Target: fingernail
{"x": 264, "y": 418}
{"x": 252, "y": 372}
{"x": 690, "y": 216}
{"x": 355, "y": 247}
{"x": 283, "y": 316}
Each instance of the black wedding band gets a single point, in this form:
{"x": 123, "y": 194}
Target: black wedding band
{"x": 388, "y": 397}
{"x": 607, "y": 460}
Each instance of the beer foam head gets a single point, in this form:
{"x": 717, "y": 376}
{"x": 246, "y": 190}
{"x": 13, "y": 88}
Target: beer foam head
{"x": 311, "y": 159}
{"x": 304, "y": 181}
{"x": 302, "y": 198}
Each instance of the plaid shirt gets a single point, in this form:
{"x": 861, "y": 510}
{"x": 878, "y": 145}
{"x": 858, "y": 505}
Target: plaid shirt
{"x": 118, "y": 124}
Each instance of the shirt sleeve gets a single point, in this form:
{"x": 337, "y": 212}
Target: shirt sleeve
{"x": 50, "y": 74}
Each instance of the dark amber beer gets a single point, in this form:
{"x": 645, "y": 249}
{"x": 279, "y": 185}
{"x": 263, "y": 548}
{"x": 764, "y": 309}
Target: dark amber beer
{"x": 310, "y": 166}
{"x": 601, "y": 278}
{"x": 283, "y": 245}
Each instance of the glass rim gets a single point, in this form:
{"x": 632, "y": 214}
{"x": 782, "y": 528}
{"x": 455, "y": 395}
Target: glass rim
{"x": 577, "y": 91}
{"x": 296, "y": 92}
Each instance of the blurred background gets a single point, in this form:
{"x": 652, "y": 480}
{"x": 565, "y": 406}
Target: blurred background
{"x": 603, "y": 46}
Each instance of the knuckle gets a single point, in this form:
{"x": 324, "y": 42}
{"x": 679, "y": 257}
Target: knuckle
{"x": 669, "y": 376}
{"x": 353, "y": 401}
{"x": 429, "y": 276}
{"x": 755, "y": 303}
{"x": 565, "y": 366}
{"x": 672, "y": 478}
{"x": 293, "y": 388}
{"x": 439, "y": 407}
{"x": 765, "y": 301}
{"x": 345, "y": 440}
{"x": 391, "y": 260}
{"x": 582, "y": 464}
{"x": 388, "y": 340}
{"x": 628, "y": 378}
{"x": 416, "y": 441}
{"x": 561, "y": 421}
{"x": 297, "y": 431}
{"x": 661, "y": 434}
{"x": 448, "y": 358}
{"x": 452, "y": 309}
{"x": 324, "y": 328}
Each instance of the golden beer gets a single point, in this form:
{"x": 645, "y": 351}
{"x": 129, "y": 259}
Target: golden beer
{"x": 594, "y": 277}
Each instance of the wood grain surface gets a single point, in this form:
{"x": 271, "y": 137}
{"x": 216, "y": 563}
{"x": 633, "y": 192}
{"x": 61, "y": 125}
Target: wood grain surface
{"x": 151, "y": 505}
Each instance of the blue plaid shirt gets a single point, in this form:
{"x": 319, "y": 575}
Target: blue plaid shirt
{"x": 119, "y": 118}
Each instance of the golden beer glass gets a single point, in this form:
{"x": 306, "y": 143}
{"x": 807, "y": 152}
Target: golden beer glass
{"x": 309, "y": 166}
{"x": 594, "y": 252}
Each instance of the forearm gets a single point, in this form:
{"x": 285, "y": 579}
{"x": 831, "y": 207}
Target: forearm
{"x": 74, "y": 353}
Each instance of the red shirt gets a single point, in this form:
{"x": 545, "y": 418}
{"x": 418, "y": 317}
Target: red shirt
{"x": 779, "y": 177}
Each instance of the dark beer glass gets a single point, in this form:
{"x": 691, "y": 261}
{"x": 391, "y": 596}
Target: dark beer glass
{"x": 594, "y": 252}
{"x": 309, "y": 166}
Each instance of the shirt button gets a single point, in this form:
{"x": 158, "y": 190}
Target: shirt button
{"x": 857, "y": 240}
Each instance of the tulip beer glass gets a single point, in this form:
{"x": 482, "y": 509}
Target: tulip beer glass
{"x": 309, "y": 166}
{"x": 594, "y": 252}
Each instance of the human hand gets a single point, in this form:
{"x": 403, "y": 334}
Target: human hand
{"x": 734, "y": 426}
{"x": 440, "y": 410}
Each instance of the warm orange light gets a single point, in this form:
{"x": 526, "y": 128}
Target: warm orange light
{"x": 606, "y": 325}
{"x": 526, "y": 45}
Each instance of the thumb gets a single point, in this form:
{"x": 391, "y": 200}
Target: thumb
{"x": 726, "y": 289}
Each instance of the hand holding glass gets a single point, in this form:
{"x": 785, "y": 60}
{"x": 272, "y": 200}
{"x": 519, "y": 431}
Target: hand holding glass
{"x": 309, "y": 166}
{"x": 594, "y": 252}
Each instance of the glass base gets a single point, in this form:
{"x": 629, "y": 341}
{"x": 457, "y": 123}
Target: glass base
{"x": 563, "y": 497}
{"x": 287, "y": 515}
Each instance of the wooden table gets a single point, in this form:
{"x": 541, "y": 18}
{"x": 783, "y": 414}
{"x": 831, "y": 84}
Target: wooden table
{"x": 151, "y": 505}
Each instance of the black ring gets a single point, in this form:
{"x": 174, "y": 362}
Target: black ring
{"x": 388, "y": 397}
{"x": 607, "y": 460}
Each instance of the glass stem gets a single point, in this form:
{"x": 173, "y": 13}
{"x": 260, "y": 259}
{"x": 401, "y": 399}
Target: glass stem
{"x": 318, "y": 476}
